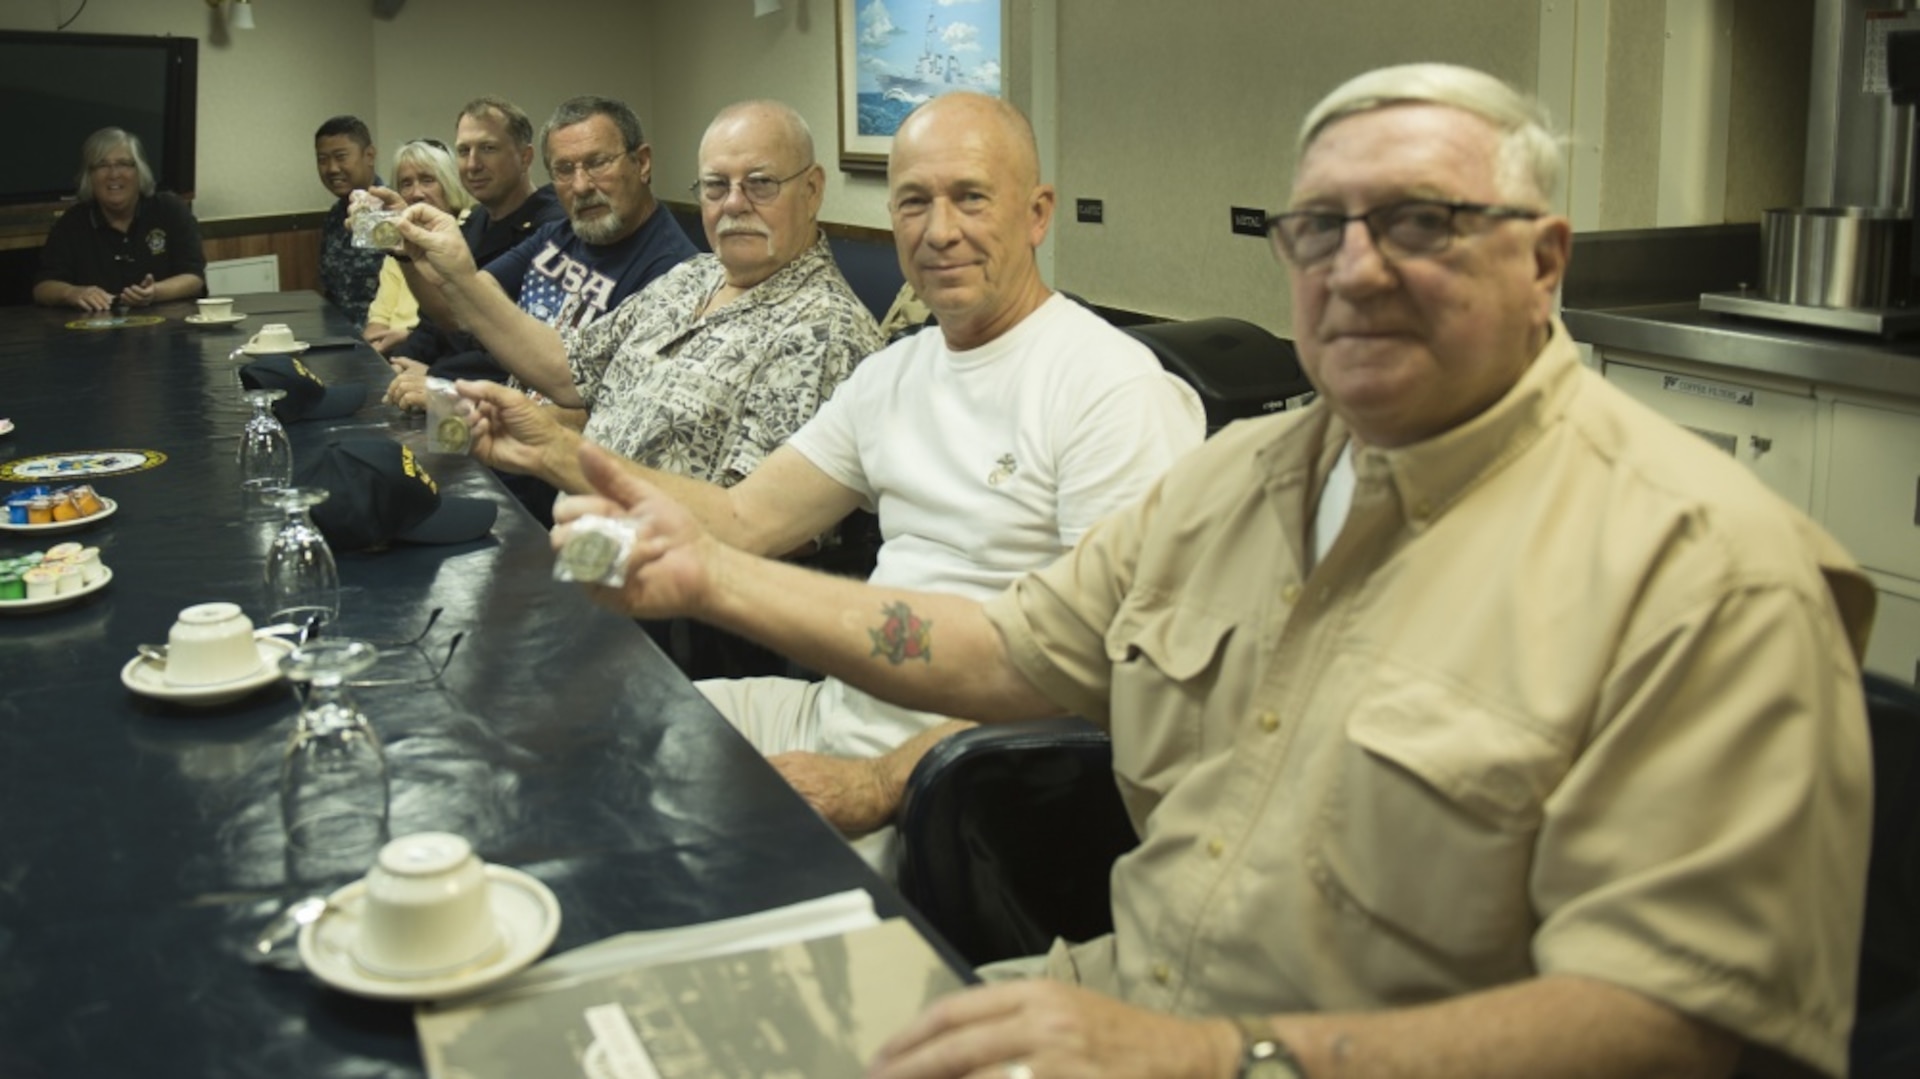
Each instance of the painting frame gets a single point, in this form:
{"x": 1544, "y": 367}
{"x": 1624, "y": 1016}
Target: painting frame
{"x": 866, "y": 151}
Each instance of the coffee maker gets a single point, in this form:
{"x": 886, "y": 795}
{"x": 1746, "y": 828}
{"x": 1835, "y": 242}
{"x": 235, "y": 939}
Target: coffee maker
{"x": 1845, "y": 260}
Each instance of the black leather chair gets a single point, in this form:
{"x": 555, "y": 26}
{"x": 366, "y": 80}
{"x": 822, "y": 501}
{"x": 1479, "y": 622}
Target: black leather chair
{"x": 1238, "y": 369}
{"x": 1886, "y": 1034}
{"x": 1008, "y": 833}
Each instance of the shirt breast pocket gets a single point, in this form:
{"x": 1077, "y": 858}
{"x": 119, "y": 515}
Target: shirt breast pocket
{"x": 1167, "y": 659}
{"x": 1429, "y": 823}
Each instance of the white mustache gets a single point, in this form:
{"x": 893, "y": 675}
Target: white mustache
{"x": 732, "y": 226}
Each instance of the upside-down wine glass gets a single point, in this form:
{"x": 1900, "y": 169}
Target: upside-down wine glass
{"x": 333, "y": 779}
{"x": 303, "y": 584}
{"x": 266, "y": 457}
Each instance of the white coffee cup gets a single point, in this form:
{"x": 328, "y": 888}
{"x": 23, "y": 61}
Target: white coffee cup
{"x": 273, "y": 337}
{"x": 216, "y": 308}
{"x": 209, "y": 644}
{"x": 426, "y": 910}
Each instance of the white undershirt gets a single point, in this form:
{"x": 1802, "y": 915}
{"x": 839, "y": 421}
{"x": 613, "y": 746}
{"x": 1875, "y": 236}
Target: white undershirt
{"x": 1336, "y": 498}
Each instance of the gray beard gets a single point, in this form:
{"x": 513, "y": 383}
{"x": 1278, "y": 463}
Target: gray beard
{"x": 600, "y": 230}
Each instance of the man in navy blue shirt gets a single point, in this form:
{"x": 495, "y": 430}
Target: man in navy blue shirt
{"x": 493, "y": 141}
{"x": 343, "y": 153}
{"x": 614, "y": 240}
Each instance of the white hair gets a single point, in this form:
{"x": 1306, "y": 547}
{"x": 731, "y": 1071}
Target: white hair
{"x": 95, "y": 150}
{"x": 1529, "y": 150}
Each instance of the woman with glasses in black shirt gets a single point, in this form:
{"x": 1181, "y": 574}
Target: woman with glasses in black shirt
{"x": 122, "y": 242}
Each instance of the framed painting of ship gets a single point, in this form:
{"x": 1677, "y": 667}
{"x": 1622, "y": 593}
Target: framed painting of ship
{"x": 895, "y": 54}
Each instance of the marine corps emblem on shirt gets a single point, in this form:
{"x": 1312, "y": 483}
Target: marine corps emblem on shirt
{"x": 1003, "y": 470}
{"x": 157, "y": 241}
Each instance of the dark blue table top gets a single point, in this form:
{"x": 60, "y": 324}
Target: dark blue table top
{"x": 140, "y": 842}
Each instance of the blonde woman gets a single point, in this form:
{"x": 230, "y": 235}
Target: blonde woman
{"x": 423, "y": 171}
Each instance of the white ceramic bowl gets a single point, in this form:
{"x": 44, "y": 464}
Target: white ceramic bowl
{"x": 211, "y": 643}
{"x": 426, "y": 909}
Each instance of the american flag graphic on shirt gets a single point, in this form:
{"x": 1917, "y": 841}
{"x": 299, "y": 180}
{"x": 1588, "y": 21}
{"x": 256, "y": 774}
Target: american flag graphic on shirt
{"x": 562, "y": 291}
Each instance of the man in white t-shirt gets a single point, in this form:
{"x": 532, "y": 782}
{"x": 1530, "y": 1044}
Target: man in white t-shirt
{"x": 987, "y": 447}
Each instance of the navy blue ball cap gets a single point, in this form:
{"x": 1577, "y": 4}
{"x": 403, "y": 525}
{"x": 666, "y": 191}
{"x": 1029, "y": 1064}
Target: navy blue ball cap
{"x": 308, "y": 398}
{"x": 379, "y": 492}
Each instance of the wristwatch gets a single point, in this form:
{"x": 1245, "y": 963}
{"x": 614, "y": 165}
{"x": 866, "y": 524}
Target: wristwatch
{"x": 1263, "y": 1056}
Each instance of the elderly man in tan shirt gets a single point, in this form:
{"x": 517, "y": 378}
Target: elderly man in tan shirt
{"x": 1475, "y": 720}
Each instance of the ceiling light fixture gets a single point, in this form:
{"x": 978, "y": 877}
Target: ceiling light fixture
{"x": 239, "y": 15}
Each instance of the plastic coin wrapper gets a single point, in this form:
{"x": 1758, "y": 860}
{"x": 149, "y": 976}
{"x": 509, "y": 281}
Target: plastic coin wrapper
{"x": 597, "y": 550}
{"x": 374, "y": 227}
{"x": 449, "y": 418}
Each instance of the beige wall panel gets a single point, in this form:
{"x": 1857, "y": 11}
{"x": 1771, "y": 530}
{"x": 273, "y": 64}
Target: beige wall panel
{"x": 436, "y": 55}
{"x": 1767, "y": 130}
{"x": 708, "y": 54}
{"x": 1630, "y": 170}
{"x": 262, "y": 91}
{"x": 1172, "y": 113}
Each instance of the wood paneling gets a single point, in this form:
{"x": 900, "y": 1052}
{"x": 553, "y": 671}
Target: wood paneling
{"x": 297, "y": 249}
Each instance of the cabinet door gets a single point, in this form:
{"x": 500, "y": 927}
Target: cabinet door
{"x": 1873, "y": 487}
{"x": 1770, "y": 431}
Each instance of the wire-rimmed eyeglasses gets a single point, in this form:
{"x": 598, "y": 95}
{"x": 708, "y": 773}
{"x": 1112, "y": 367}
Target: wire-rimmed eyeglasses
{"x": 1413, "y": 228}
{"x": 595, "y": 167}
{"x": 758, "y": 189}
{"x": 416, "y": 644}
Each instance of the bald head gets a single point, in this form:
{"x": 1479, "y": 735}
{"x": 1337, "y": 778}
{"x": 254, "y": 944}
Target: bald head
{"x": 760, "y": 189}
{"x": 963, "y": 185}
{"x": 975, "y": 116}
{"x": 775, "y": 124}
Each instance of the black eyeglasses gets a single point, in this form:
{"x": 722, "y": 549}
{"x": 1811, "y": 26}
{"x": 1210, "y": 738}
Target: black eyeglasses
{"x": 759, "y": 190}
{"x": 1411, "y": 229}
{"x": 435, "y": 143}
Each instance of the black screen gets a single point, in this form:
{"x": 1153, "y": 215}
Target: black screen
{"x": 56, "y": 89}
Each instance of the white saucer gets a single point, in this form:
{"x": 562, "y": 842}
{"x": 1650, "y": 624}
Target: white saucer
{"x": 294, "y": 349}
{"x": 6, "y": 427}
{"x": 525, "y": 910}
{"x": 13, "y": 606}
{"x": 206, "y": 320}
{"x": 142, "y": 675}
{"x": 108, "y": 506}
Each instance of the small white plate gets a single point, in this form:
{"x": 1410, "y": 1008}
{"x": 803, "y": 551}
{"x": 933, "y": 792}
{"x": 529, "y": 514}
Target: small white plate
{"x": 525, "y": 910}
{"x": 6, "y": 427}
{"x": 17, "y": 606}
{"x": 206, "y": 320}
{"x": 108, "y": 507}
{"x": 143, "y": 676}
{"x": 294, "y": 349}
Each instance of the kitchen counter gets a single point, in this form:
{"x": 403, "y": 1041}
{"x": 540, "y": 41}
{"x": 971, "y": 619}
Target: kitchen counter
{"x": 1683, "y": 331}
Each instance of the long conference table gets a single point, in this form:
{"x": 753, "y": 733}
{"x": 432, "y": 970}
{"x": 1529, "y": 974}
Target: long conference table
{"x": 141, "y": 846}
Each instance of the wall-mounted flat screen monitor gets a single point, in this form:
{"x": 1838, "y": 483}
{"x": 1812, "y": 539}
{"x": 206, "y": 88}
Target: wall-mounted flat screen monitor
{"x": 56, "y": 89}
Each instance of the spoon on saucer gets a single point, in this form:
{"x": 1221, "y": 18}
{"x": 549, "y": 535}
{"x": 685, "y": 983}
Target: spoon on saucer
{"x": 270, "y": 947}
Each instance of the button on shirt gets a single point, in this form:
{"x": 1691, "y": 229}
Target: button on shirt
{"x": 1570, "y": 693}
{"x": 710, "y": 397}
